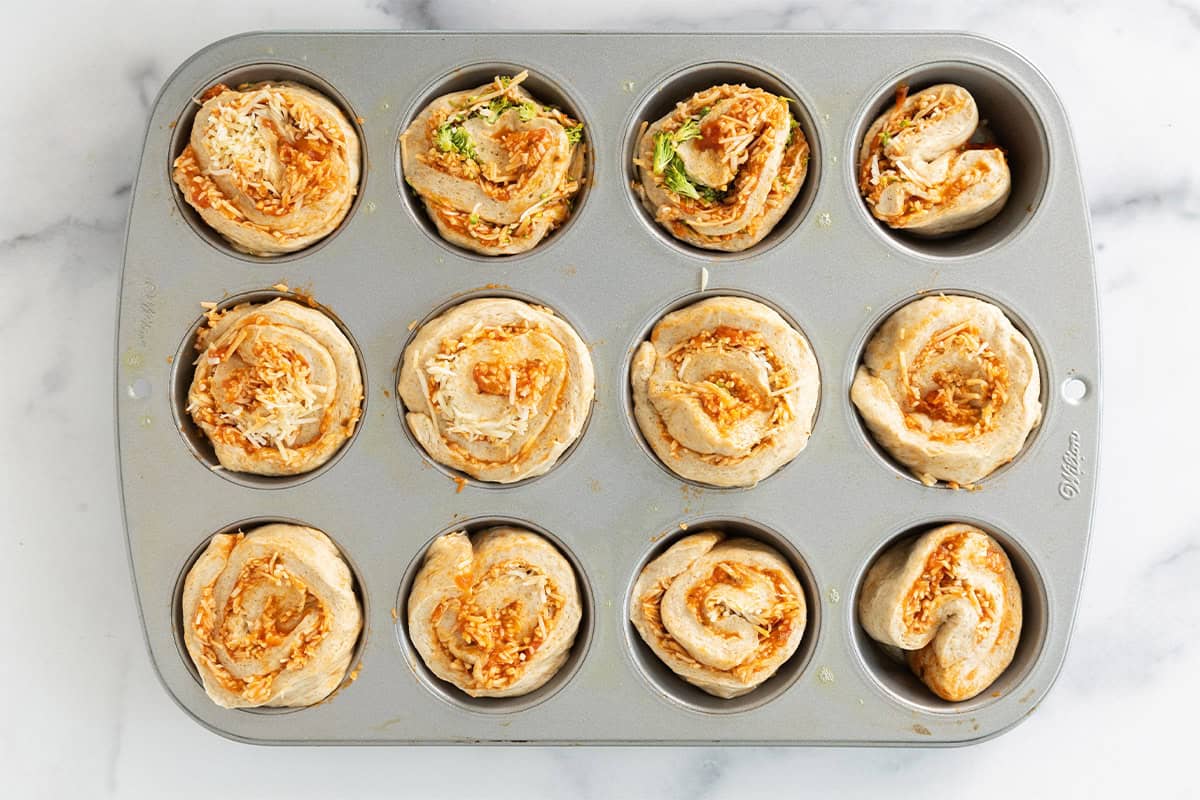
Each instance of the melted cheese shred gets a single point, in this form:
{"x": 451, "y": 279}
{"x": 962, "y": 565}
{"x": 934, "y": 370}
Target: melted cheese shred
{"x": 725, "y": 396}
{"x": 496, "y": 641}
{"x": 273, "y": 398}
{"x": 966, "y": 384}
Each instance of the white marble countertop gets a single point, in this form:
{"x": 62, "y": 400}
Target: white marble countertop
{"x": 84, "y": 715}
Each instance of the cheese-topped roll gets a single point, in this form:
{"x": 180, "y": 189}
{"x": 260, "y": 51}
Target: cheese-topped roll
{"x": 495, "y": 613}
{"x": 725, "y": 391}
{"x": 951, "y": 599}
{"x": 497, "y": 168}
{"x": 723, "y": 614}
{"x": 921, "y": 169}
{"x": 950, "y": 388}
{"x": 270, "y": 617}
{"x": 272, "y": 167}
{"x": 277, "y": 389}
{"x": 497, "y": 388}
{"x": 723, "y": 167}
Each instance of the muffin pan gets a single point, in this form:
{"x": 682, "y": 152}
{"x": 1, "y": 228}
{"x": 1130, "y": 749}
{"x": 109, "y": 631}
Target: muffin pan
{"x": 610, "y": 506}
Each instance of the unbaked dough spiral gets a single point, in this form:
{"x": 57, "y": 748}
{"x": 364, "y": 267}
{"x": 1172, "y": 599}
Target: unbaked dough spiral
{"x": 950, "y": 388}
{"x": 951, "y": 599}
{"x": 497, "y": 388}
{"x": 495, "y": 613}
{"x": 723, "y": 614}
{"x": 922, "y": 170}
{"x": 723, "y": 167}
{"x": 272, "y": 167}
{"x": 270, "y": 617}
{"x": 277, "y": 388}
{"x": 496, "y": 168}
{"x": 725, "y": 391}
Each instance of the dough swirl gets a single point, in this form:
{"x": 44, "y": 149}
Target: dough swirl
{"x": 723, "y": 167}
{"x": 270, "y": 617}
{"x": 922, "y": 169}
{"x": 497, "y": 388}
{"x": 272, "y": 167}
{"x": 494, "y": 613}
{"x": 723, "y": 614}
{"x": 950, "y": 388}
{"x": 496, "y": 168}
{"x": 725, "y": 391}
{"x": 951, "y": 599}
{"x": 277, "y": 388}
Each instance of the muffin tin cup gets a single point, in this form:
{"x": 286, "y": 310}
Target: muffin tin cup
{"x": 660, "y": 99}
{"x": 643, "y": 335}
{"x": 256, "y": 71}
{"x": 671, "y": 686}
{"x": 498, "y": 705}
{"x": 541, "y": 85}
{"x": 456, "y": 475}
{"x": 1006, "y": 115}
{"x": 1048, "y": 397}
{"x": 247, "y": 526}
{"x": 830, "y": 267}
{"x": 183, "y": 371}
{"x": 886, "y": 666}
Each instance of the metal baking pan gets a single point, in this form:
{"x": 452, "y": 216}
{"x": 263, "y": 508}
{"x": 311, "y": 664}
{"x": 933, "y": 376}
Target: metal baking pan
{"x": 828, "y": 266}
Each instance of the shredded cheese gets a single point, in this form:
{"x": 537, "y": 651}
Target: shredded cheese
{"x": 269, "y": 398}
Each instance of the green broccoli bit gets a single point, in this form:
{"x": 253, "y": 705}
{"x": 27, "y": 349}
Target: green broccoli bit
{"x": 686, "y": 132}
{"x": 575, "y": 134}
{"x": 665, "y": 143}
{"x": 664, "y": 151}
{"x": 455, "y": 137}
{"x": 710, "y": 195}
{"x": 675, "y": 178}
{"x": 497, "y": 107}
